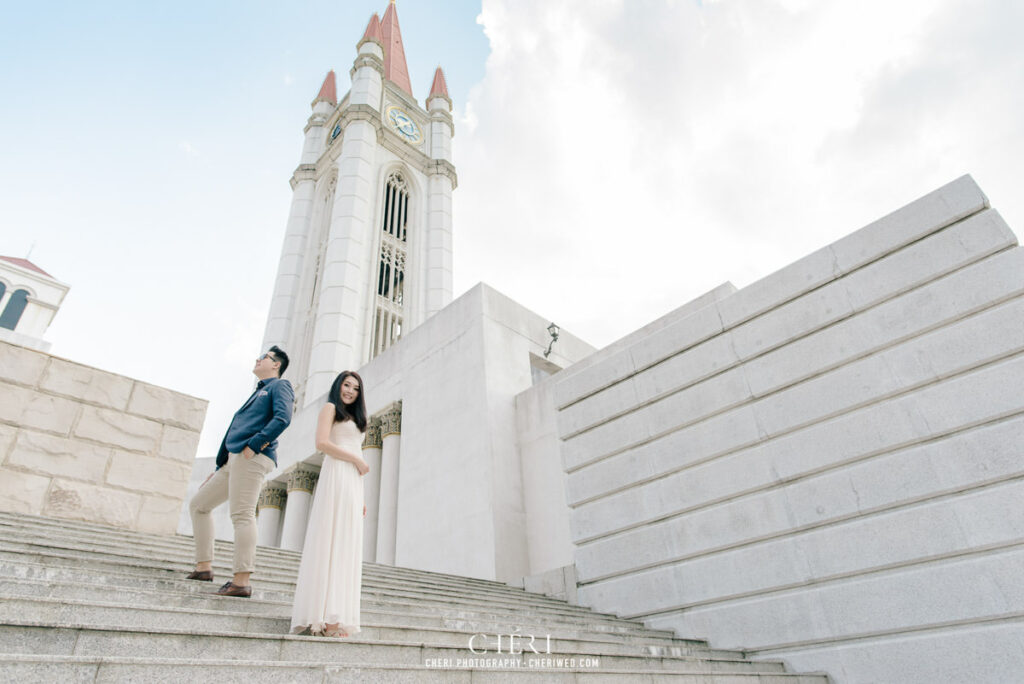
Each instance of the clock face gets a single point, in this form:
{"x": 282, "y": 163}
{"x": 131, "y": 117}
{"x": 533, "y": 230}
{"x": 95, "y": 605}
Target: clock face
{"x": 404, "y": 124}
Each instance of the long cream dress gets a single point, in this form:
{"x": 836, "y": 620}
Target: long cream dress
{"x": 330, "y": 572}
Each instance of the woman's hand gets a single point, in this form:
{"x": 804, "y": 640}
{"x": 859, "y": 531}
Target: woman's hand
{"x": 361, "y": 466}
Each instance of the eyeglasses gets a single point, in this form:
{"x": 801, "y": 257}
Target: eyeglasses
{"x": 268, "y": 355}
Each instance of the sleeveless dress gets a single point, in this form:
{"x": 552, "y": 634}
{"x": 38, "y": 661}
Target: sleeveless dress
{"x": 330, "y": 571}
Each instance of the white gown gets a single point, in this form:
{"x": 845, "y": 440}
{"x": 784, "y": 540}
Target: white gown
{"x": 330, "y": 572}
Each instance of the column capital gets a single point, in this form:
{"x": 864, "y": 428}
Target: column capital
{"x": 302, "y": 478}
{"x": 272, "y": 495}
{"x": 391, "y": 420}
{"x": 373, "y": 439}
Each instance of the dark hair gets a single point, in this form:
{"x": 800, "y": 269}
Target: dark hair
{"x": 279, "y": 355}
{"x": 356, "y": 411}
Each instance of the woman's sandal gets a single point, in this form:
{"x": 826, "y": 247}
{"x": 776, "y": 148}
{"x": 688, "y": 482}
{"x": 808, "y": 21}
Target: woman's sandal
{"x": 334, "y": 632}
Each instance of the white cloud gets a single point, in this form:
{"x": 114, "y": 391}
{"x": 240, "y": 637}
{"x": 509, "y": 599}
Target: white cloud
{"x": 631, "y": 155}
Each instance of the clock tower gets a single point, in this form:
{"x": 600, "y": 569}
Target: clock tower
{"x": 367, "y": 253}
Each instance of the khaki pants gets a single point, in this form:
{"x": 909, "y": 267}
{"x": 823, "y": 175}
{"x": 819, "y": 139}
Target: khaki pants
{"x": 239, "y": 483}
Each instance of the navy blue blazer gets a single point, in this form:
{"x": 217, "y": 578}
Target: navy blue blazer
{"x": 260, "y": 420}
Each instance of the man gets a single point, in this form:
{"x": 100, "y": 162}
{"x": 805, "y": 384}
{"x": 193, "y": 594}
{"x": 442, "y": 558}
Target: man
{"x": 246, "y": 455}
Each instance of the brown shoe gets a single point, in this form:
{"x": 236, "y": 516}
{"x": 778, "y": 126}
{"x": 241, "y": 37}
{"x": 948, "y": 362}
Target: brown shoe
{"x": 201, "y": 575}
{"x": 232, "y": 589}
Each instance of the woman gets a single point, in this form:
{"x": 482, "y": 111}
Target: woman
{"x": 330, "y": 572}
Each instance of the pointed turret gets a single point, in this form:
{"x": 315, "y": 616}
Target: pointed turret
{"x": 373, "y": 31}
{"x": 395, "y": 69}
{"x": 328, "y": 91}
{"x": 438, "y": 87}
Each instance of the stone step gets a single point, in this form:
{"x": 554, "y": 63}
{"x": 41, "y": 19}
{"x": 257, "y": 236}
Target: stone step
{"x": 179, "y": 544}
{"x": 180, "y": 564}
{"x": 71, "y": 669}
{"x": 23, "y": 637}
{"x": 373, "y": 615}
{"x": 84, "y": 602}
{"x": 268, "y": 565}
{"x": 90, "y": 564}
{"x": 283, "y": 587}
{"x": 91, "y": 613}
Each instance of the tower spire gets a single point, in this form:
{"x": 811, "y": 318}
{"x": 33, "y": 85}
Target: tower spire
{"x": 328, "y": 91}
{"x": 373, "y": 31}
{"x": 395, "y": 69}
{"x": 438, "y": 87}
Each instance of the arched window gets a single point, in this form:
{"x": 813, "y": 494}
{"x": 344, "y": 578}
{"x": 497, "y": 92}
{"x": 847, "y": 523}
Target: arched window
{"x": 3, "y": 288}
{"x": 15, "y": 307}
{"x": 387, "y": 322}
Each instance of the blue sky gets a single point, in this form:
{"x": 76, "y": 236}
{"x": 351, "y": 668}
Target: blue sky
{"x": 626, "y": 155}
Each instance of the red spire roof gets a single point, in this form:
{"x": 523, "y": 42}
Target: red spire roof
{"x": 438, "y": 87}
{"x": 25, "y": 263}
{"x": 328, "y": 91}
{"x": 395, "y": 69}
{"x": 373, "y": 30}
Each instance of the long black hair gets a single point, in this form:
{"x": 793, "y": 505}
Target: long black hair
{"x": 356, "y": 411}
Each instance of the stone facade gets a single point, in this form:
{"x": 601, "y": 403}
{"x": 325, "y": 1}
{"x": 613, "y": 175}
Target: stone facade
{"x": 824, "y": 466}
{"x": 80, "y": 443}
{"x": 449, "y": 493}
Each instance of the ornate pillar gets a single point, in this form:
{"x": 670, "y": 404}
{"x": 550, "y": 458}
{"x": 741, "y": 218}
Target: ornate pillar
{"x": 371, "y": 488}
{"x": 387, "y": 521}
{"x": 301, "y": 481}
{"x": 268, "y": 513}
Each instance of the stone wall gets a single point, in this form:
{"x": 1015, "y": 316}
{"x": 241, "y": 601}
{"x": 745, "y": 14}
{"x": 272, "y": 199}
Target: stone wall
{"x": 84, "y": 444}
{"x": 825, "y": 466}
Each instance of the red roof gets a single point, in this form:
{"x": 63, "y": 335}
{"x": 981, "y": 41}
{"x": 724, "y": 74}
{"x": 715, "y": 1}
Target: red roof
{"x": 438, "y": 87}
{"x": 25, "y": 263}
{"x": 327, "y": 90}
{"x": 395, "y": 69}
{"x": 373, "y": 30}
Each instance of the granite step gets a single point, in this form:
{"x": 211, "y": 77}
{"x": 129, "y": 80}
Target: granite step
{"x": 83, "y": 602}
{"x": 88, "y": 669}
{"x": 19, "y": 637}
{"x": 373, "y": 615}
{"x": 288, "y": 560}
{"x": 179, "y": 564}
{"x": 276, "y": 589}
{"x": 238, "y": 619}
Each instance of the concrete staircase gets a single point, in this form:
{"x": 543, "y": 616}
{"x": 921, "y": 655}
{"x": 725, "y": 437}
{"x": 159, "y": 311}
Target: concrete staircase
{"x": 86, "y": 603}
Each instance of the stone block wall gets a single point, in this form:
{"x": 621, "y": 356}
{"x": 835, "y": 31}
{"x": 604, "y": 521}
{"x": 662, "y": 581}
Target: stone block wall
{"x": 825, "y": 466}
{"x": 81, "y": 443}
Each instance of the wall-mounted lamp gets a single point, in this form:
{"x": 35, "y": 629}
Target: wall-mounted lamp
{"x": 553, "y": 331}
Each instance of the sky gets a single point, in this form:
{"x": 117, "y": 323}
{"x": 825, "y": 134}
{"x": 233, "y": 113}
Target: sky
{"x": 615, "y": 158}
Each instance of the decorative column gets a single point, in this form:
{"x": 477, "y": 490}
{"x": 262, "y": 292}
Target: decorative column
{"x": 387, "y": 522}
{"x": 268, "y": 513}
{"x": 301, "y": 481}
{"x": 371, "y": 488}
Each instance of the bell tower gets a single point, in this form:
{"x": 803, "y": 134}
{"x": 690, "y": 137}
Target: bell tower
{"x": 367, "y": 253}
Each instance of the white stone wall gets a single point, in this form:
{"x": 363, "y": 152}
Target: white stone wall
{"x": 824, "y": 467}
{"x": 80, "y": 443}
{"x": 460, "y": 477}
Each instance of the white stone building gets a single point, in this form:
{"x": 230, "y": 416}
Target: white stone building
{"x": 29, "y": 300}
{"x": 824, "y": 466}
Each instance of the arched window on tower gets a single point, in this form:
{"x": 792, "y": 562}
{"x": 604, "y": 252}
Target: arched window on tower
{"x": 387, "y": 322}
{"x": 15, "y": 307}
